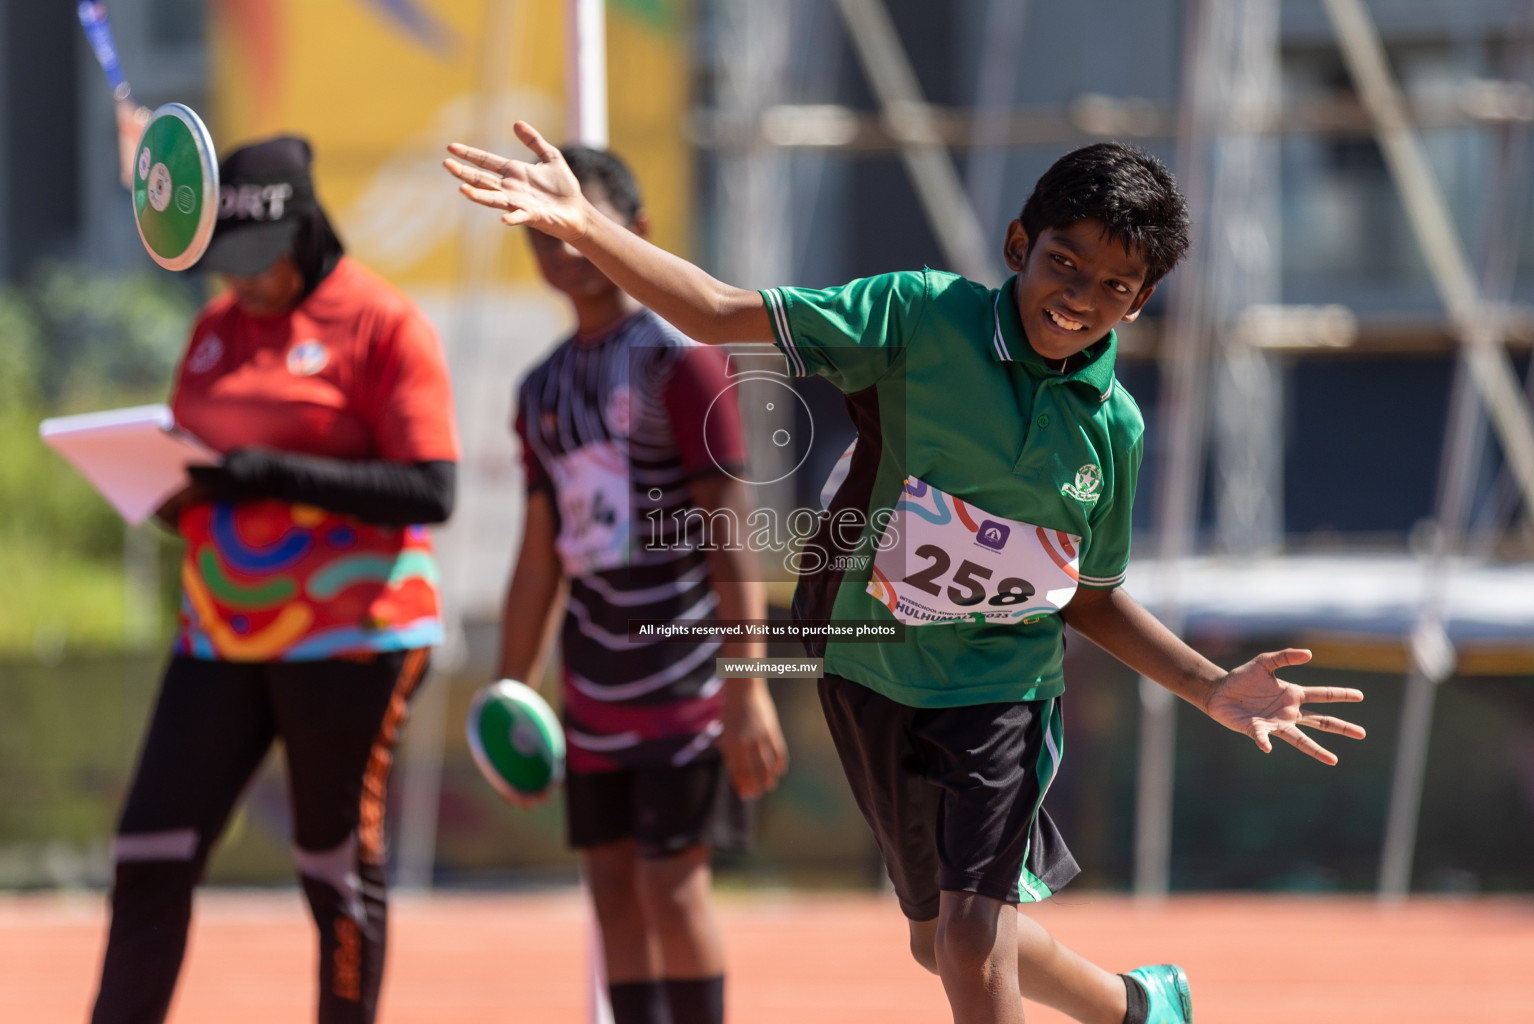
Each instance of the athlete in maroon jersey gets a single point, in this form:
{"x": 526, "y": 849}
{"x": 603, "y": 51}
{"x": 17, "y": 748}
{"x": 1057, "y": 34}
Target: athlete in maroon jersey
{"x": 616, "y": 437}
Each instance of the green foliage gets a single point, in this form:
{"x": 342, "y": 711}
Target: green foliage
{"x": 102, "y": 339}
{"x": 72, "y": 340}
{"x": 67, "y": 738}
{"x": 19, "y": 347}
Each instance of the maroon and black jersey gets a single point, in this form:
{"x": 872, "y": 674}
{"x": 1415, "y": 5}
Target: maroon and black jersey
{"x": 616, "y": 427}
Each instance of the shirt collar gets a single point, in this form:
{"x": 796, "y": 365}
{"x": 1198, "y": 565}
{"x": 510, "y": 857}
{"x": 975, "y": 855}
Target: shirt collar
{"x": 1010, "y": 344}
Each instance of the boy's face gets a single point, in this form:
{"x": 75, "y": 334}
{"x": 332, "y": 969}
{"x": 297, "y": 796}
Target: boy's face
{"x": 1073, "y": 285}
{"x": 564, "y": 268}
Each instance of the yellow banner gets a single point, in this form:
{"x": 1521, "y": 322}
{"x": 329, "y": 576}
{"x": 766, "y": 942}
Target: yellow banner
{"x": 381, "y": 86}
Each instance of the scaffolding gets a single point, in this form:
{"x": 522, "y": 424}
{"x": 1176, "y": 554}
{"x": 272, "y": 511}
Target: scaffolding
{"x": 1222, "y": 399}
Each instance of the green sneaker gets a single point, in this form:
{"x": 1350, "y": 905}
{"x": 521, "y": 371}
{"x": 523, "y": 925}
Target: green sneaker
{"x": 1167, "y": 986}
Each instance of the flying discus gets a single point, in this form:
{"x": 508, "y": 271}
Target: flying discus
{"x": 175, "y": 187}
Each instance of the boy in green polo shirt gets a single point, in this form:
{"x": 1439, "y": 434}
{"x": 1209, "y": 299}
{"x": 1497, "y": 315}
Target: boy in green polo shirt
{"x": 989, "y": 500}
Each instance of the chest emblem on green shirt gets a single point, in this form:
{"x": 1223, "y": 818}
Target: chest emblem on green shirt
{"x": 1087, "y": 487}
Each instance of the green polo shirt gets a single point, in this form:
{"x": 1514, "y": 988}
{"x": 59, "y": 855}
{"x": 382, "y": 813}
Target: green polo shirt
{"x": 945, "y": 388}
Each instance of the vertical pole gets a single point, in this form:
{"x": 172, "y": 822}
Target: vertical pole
{"x": 1153, "y": 791}
{"x": 141, "y": 586}
{"x": 1246, "y": 393}
{"x": 1432, "y": 654}
{"x": 1183, "y": 386}
{"x": 1484, "y": 371}
{"x": 1437, "y": 238}
{"x": 421, "y": 751}
{"x": 985, "y": 171}
{"x": 927, "y": 161}
{"x": 753, "y": 207}
{"x": 586, "y": 72}
{"x": 586, "y": 123}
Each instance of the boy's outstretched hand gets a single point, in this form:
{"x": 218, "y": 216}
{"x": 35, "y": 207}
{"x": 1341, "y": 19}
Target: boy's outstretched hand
{"x": 1251, "y": 699}
{"x": 544, "y": 196}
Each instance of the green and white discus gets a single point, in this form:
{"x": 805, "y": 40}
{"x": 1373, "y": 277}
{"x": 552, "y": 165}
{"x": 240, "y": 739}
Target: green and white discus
{"x": 516, "y": 739}
{"x": 175, "y": 187}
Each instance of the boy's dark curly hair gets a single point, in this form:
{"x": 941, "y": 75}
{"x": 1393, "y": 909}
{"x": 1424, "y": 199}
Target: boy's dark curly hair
{"x": 601, "y": 167}
{"x": 1127, "y": 189}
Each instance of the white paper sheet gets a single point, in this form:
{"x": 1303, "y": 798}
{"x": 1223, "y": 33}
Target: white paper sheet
{"x": 136, "y": 457}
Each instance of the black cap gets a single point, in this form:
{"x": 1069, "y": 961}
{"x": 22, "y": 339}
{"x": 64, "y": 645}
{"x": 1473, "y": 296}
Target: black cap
{"x": 264, "y": 193}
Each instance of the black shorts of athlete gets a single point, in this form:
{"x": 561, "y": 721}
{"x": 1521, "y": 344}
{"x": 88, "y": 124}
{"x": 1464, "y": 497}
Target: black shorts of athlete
{"x": 954, "y": 795}
{"x": 664, "y": 808}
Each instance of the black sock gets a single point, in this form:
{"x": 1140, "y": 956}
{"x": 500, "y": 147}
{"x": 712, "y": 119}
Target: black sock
{"x": 1138, "y": 999}
{"x": 638, "y": 1002}
{"x": 696, "y": 1000}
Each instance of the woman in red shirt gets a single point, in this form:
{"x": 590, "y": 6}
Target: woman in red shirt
{"x": 309, "y": 587}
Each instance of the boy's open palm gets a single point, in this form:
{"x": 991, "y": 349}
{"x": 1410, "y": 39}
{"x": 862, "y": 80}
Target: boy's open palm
{"x": 1252, "y": 699}
{"x": 544, "y": 196}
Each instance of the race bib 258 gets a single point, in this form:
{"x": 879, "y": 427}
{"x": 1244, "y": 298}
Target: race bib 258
{"x": 954, "y": 562}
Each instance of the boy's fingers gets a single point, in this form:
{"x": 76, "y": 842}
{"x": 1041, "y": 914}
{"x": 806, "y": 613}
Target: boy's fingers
{"x": 1305, "y": 745}
{"x": 466, "y": 173}
{"x": 535, "y": 142}
{"x": 1326, "y": 723}
{"x": 1332, "y": 695}
{"x": 745, "y": 782}
{"x": 479, "y": 157}
{"x": 526, "y": 802}
{"x": 751, "y": 772}
{"x": 473, "y": 177}
{"x": 1275, "y": 660}
{"x": 780, "y": 758}
{"x": 484, "y": 197}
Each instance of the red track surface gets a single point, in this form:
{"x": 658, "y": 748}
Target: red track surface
{"x": 808, "y": 958}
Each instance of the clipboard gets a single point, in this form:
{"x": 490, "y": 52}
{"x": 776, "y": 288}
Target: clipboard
{"x": 136, "y": 457}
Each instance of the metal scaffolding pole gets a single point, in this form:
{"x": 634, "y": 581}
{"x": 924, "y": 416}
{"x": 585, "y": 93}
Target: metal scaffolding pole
{"x": 1184, "y": 382}
{"x": 1246, "y": 394}
{"x": 1229, "y": 96}
{"x": 1491, "y": 370}
{"x": 985, "y": 171}
{"x": 752, "y": 211}
{"x": 586, "y": 72}
{"x": 1484, "y": 372}
{"x": 421, "y": 750}
{"x": 909, "y": 118}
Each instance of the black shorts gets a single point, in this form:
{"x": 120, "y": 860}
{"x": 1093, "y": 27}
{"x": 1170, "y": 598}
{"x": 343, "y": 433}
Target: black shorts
{"x": 664, "y": 809}
{"x": 954, "y": 795}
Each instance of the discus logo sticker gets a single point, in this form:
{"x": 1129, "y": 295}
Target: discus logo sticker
{"x": 143, "y": 162}
{"x": 186, "y": 199}
{"x": 206, "y": 355}
{"x": 307, "y": 358}
{"x": 1087, "y": 485}
{"x": 159, "y": 187}
{"x": 992, "y": 534}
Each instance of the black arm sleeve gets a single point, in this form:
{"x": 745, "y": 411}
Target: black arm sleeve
{"x": 375, "y": 491}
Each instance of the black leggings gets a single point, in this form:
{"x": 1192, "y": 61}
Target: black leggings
{"x": 212, "y": 726}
